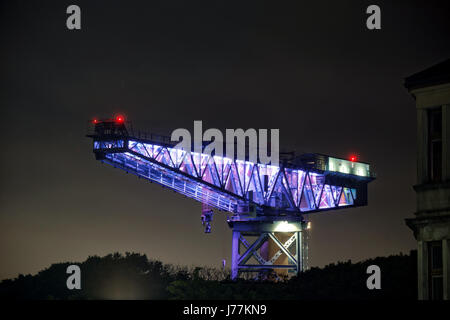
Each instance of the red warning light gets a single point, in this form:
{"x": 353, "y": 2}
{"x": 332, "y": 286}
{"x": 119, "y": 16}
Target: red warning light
{"x": 95, "y": 121}
{"x": 352, "y": 158}
{"x": 120, "y": 119}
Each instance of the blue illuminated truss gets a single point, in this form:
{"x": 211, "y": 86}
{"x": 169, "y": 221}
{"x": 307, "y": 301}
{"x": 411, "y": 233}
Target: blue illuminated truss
{"x": 237, "y": 186}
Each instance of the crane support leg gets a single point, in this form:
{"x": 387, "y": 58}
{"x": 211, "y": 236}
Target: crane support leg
{"x": 299, "y": 253}
{"x": 235, "y": 255}
{"x": 277, "y": 249}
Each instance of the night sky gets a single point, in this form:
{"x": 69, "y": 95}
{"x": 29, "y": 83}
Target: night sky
{"x": 311, "y": 69}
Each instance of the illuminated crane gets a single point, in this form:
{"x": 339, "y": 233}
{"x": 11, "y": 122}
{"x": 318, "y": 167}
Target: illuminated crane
{"x": 263, "y": 201}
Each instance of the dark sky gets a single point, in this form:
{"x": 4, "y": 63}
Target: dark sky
{"x": 311, "y": 69}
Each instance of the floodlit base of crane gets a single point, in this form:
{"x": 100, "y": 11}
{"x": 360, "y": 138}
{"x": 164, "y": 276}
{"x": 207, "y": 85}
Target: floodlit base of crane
{"x": 280, "y": 247}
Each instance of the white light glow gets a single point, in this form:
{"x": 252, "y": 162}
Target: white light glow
{"x": 284, "y": 226}
{"x": 343, "y": 169}
{"x": 360, "y": 172}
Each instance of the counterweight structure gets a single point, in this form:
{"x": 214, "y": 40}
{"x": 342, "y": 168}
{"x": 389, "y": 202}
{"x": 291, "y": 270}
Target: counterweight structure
{"x": 268, "y": 203}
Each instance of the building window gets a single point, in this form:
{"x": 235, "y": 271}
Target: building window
{"x": 435, "y": 278}
{"x": 435, "y": 144}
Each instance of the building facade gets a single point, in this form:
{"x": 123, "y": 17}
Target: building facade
{"x": 431, "y": 225}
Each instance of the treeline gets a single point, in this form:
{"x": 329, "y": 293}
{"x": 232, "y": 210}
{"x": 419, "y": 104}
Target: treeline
{"x": 134, "y": 276}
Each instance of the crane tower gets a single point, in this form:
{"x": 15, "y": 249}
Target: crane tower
{"x": 266, "y": 205}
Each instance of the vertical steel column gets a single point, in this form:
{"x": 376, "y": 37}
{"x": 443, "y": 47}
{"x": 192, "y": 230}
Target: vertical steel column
{"x": 305, "y": 247}
{"x": 298, "y": 248}
{"x": 235, "y": 255}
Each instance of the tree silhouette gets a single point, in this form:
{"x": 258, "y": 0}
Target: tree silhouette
{"x": 134, "y": 276}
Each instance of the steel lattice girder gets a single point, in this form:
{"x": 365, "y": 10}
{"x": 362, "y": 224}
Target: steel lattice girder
{"x": 227, "y": 184}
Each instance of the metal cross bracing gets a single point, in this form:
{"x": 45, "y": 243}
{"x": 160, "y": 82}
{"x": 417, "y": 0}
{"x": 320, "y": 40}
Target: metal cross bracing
{"x": 252, "y": 250}
{"x": 267, "y": 234}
